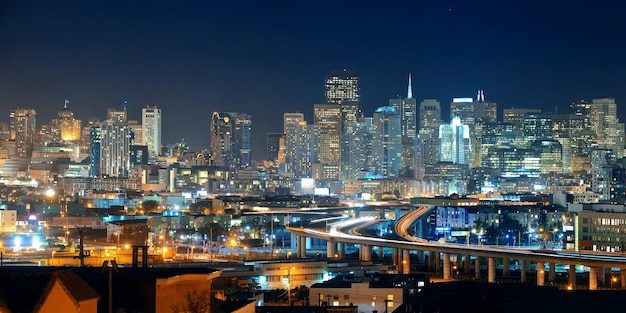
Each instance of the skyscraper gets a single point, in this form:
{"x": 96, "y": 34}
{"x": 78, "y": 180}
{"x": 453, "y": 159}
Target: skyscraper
{"x": 454, "y": 140}
{"x": 151, "y": 130}
{"x": 341, "y": 86}
{"x": 23, "y": 128}
{"x": 387, "y": 141}
{"x": 327, "y": 122}
{"x": 273, "y": 146}
{"x": 609, "y": 130}
{"x": 70, "y": 127}
{"x": 115, "y": 145}
{"x": 230, "y": 139}
{"x": 298, "y": 145}
{"x": 407, "y": 109}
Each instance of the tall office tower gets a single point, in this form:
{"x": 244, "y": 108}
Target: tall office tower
{"x": 516, "y": 117}
{"x": 115, "y": 148}
{"x": 137, "y": 129}
{"x": 350, "y": 114}
{"x": 243, "y": 139}
{"x": 454, "y": 142}
{"x": 550, "y": 154}
{"x": 116, "y": 116}
{"x": 491, "y": 135}
{"x": 230, "y": 140}
{"x": 71, "y": 128}
{"x": 581, "y": 133}
{"x": 429, "y": 114}
{"x": 537, "y": 126}
{"x": 292, "y": 129}
{"x": 327, "y": 123}
{"x": 273, "y": 146}
{"x": 94, "y": 150}
{"x": 609, "y": 131}
{"x": 466, "y": 110}
{"x": 23, "y": 127}
{"x": 151, "y": 130}
{"x": 387, "y": 141}
{"x": 361, "y": 161}
{"x": 407, "y": 108}
{"x": 485, "y": 111}
{"x": 341, "y": 86}
{"x": 85, "y": 141}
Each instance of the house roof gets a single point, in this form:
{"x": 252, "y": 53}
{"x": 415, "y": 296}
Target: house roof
{"x": 26, "y": 291}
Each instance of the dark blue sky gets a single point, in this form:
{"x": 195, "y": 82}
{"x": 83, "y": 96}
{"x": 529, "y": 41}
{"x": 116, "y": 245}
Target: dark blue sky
{"x": 191, "y": 58}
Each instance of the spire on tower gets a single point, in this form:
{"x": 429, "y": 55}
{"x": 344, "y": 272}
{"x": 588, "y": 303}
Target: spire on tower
{"x": 66, "y": 102}
{"x": 125, "y": 103}
{"x": 409, "y": 94}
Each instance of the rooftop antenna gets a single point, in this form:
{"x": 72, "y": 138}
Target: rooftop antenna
{"x": 125, "y": 103}
{"x": 66, "y": 102}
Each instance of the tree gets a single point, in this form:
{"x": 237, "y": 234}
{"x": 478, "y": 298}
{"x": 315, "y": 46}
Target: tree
{"x": 150, "y": 206}
{"x": 202, "y": 207}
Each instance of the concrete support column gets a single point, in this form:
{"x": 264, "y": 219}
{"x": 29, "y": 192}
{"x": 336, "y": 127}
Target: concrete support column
{"x": 477, "y": 268}
{"x": 552, "y": 272}
{"x": 302, "y": 247}
{"x": 622, "y": 275}
{"x": 394, "y": 257}
{"x": 437, "y": 262}
{"x": 431, "y": 260}
{"x": 466, "y": 264}
{"x": 420, "y": 256}
{"x": 593, "y": 278}
{"x": 506, "y": 267}
{"x": 571, "y": 275}
{"x": 491, "y": 269}
{"x": 523, "y": 270}
{"x": 406, "y": 261}
{"x": 541, "y": 273}
{"x": 446, "y": 266}
{"x": 342, "y": 250}
{"x": 331, "y": 248}
{"x": 366, "y": 252}
{"x": 381, "y": 251}
{"x": 602, "y": 275}
{"x": 294, "y": 242}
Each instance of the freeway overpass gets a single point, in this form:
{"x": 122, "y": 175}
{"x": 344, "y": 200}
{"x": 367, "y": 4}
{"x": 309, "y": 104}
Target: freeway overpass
{"x": 439, "y": 254}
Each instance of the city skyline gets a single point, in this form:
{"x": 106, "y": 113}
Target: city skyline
{"x": 268, "y": 58}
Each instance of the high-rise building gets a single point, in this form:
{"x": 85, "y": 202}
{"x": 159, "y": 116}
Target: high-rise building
{"x": 341, "y": 86}
{"x": 361, "y": 161}
{"x": 327, "y": 124}
{"x": 387, "y": 141}
{"x": 115, "y": 139}
{"x": 70, "y": 127}
{"x": 515, "y": 116}
{"x": 23, "y": 128}
{"x": 292, "y": 127}
{"x": 407, "y": 108}
{"x": 151, "y": 130}
{"x": 609, "y": 130}
{"x": 273, "y": 146}
{"x": 429, "y": 114}
{"x": 537, "y": 126}
{"x": 454, "y": 142}
{"x": 230, "y": 140}
{"x": 350, "y": 114}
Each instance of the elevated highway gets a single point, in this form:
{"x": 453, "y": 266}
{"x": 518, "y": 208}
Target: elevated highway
{"x": 439, "y": 254}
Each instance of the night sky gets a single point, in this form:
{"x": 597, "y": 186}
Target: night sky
{"x": 264, "y": 58}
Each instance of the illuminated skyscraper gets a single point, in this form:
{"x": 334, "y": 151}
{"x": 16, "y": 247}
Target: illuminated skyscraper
{"x": 454, "y": 142}
{"x": 515, "y": 117}
{"x": 298, "y": 145}
{"x": 327, "y": 123}
{"x": 609, "y": 130}
{"x": 70, "y": 126}
{"x": 115, "y": 140}
{"x": 151, "y": 130}
{"x": 23, "y": 127}
{"x": 230, "y": 140}
{"x": 342, "y": 86}
{"x": 537, "y": 126}
{"x": 273, "y": 146}
{"x": 387, "y": 141}
{"x": 407, "y": 109}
